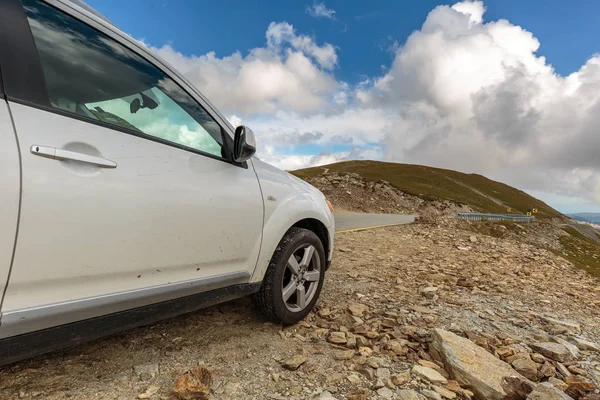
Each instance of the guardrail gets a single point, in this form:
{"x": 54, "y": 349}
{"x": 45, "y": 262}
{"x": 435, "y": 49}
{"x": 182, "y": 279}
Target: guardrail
{"x": 469, "y": 216}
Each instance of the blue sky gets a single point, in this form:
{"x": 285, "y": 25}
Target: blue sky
{"x": 504, "y": 88}
{"x": 363, "y": 30}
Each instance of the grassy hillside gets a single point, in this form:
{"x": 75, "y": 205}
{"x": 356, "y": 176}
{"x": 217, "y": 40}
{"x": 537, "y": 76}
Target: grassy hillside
{"x": 477, "y": 191}
{"x": 580, "y": 250}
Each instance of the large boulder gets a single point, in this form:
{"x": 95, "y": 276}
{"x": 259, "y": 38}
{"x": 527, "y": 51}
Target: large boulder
{"x": 472, "y": 366}
{"x": 545, "y": 391}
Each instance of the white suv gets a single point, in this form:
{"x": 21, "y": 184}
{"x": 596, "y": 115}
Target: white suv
{"x": 127, "y": 197}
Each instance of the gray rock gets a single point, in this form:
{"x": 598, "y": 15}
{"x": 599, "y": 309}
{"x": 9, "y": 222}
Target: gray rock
{"x": 571, "y": 347}
{"x": 586, "y": 344}
{"x": 385, "y": 393}
{"x": 555, "y": 351}
{"x": 382, "y": 373}
{"x": 326, "y": 396}
{"x": 445, "y": 393}
{"x": 408, "y": 394}
{"x": 471, "y": 365}
{"x": 430, "y": 394}
{"x": 146, "y": 371}
{"x": 564, "y": 371}
{"x": 429, "y": 374}
{"x": 545, "y": 391}
{"x": 567, "y": 324}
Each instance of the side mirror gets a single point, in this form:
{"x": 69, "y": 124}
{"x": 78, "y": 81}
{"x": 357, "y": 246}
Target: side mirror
{"x": 244, "y": 144}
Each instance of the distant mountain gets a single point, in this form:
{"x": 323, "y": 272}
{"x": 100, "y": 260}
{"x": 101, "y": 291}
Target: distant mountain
{"x": 479, "y": 192}
{"x": 586, "y": 217}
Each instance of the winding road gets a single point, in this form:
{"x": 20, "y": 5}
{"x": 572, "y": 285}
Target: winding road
{"x": 351, "y": 222}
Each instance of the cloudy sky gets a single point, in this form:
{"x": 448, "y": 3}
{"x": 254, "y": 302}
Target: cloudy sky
{"x": 505, "y": 89}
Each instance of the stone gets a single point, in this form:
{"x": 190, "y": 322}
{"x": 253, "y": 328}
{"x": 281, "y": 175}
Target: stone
{"x": 385, "y": 393}
{"x": 294, "y": 362}
{"x": 351, "y": 342}
{"x": 359, "y": 394}
{"x": 430, "y": 394}
{"x": 583, "y": 344}
{"x": 401, "y": 379}
{"x": 557, "y": 383}
{"x": 465, "y": 282}
{"x": 545, "y": 391}
{"x": 526, "y": 367}
{"x": 408, "y": 394}
{"x": 341, "y": 355}
{"x": 429, "y": 291}
{"x": 337, "y": 338}
{"x": 361, "y": 341}
{"x": 382, "y": 373}
{"x": 538, "y": 358}
{"x": 334, "y": 378}
{"x": 471, "y": 365}
{"x": 324, "y": 312}
{"x": 194, "y": 384}
{"x": 577, "y": 370}
{"x": 149, "y": 392}
{"x": 365, "y": 351}
{"x": 516, "y": 388}
{"x": 429, "y": 374}
{"x": 554, "y": 351}
{"x": 357, "y": 309}
{"x": 571, "y": 347}
{"x": 146, "y": 371}
{"x": 325, "y": 395}
{"x": 353, "y": 379}
{"x": 423, "y": 310}
{"x": 473, "y": 239}
{"x": 398, "y": 347}
{"x": 569, "y": 325}
{"x": 547, "y": 370}
{"x": 445, "y": 393}
{"x": 578, "y": 386}
{"x": 564, "y": 371}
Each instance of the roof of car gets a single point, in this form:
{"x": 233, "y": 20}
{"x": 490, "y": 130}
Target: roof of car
{"x": 89, "y": 9}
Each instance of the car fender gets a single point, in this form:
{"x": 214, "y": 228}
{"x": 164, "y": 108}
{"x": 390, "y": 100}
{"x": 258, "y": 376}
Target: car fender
{"x": 288, "y": 200}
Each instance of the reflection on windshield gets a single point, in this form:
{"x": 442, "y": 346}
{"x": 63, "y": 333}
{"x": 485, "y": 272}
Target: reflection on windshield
{"x": 92, "y": 75}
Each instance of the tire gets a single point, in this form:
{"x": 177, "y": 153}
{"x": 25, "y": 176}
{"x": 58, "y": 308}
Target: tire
{"x": 280, "y": 278}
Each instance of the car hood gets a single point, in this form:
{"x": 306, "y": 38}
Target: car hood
{"x": 277, "y": 176}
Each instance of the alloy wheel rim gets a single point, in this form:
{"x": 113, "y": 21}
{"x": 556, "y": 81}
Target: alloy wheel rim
{"x": 301, "y": 278}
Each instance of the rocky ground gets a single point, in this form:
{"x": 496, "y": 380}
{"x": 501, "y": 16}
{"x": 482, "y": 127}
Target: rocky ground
{"x": 423, "y": 311}
{"x": 350, "y": 193}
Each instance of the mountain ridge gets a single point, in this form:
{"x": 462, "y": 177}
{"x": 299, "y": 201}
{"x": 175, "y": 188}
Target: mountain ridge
{"x": 475, "y": 190}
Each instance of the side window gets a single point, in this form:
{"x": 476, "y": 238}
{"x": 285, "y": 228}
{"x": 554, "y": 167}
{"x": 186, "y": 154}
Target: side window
{"x": 91, "y": 75}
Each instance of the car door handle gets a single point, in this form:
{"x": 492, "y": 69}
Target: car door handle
{"x": 61, "y": 154}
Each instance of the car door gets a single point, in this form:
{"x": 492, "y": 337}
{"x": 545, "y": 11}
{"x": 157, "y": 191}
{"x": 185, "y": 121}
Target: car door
{"x": 129, "y": 192}
{"x": 9, "y": 192}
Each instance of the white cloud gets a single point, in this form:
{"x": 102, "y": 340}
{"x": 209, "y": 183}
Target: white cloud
{"x": 461, "y": 93}
{"x": 289, "y": 73}
{"x": 475, "y": 96}
{"x": 319, "y": 10}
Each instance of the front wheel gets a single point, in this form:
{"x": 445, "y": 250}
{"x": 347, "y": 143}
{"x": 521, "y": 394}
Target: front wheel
{"x": 294, "y": 278}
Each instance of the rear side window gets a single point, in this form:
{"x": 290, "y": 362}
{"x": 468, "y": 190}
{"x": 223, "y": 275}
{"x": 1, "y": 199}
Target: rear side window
{"x": 89, "y": 74}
